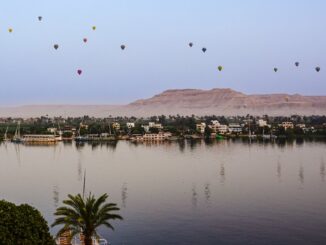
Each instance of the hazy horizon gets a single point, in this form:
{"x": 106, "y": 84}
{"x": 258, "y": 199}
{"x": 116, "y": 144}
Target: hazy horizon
{"x": 247, "y": 38}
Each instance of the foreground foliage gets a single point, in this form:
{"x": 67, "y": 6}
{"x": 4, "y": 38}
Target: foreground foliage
{"x": 23, "y": 225}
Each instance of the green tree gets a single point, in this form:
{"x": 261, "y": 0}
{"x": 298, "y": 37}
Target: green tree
{"x": 80, "y": 215}
{"x": 23, "y": 225}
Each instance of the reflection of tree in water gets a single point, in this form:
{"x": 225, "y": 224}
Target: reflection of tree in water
{"x": 222, "y": 173}
{"x": 279, "y": 170}
{"x": 56, "y": 196}
{"x": 194, "y": 199}
{"x": 124, "y": 194}
{"x": 207, "y": 191}
{"x": 322, "y": 170}
{"x": 182, "y": 145}
{"x": 301, "y": 174}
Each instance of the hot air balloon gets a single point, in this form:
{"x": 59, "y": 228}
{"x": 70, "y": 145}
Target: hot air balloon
{"x": 94, "y": 28}
{"x": 297, "y": 64}
{"x": 56, "y": 46}
{"x": 85, "y": 40}
{"x": 275, "y": 69}
{"x": 123, "y": 47}
{"x": 220, "y": 68}
{"x": 10, "y": 30}
{"x": 79, "y": 72}
{"x": 204, "y": 50}
{"x": 317, "y": 69}
{"x": 190, "y": 45}
{"x": 40, "y": 18}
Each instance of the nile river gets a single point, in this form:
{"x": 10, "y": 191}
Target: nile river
{"x": 182, "y": 193}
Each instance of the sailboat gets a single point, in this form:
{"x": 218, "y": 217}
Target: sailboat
{"x": 17, "y": 138}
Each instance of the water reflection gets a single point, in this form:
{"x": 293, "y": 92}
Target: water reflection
{"x": 56, "y": 196}
{"x": 301, "y": 174}
{"x": 207, "y": 191}
{"x": 279, "y": 170}
{"x": 194, "y": 196}
{"x": 322, "y": 170}
{"x": 222, "y": 173}
{"x": 124, "y": 195}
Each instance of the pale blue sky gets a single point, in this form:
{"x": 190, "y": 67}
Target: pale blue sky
{"x": 248, "y": 38}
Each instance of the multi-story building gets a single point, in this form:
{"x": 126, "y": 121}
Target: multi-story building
{"x": 235, "y": 128}
{"x": 116, "y": 126}
{"x": 130, "y": 125}
{"x": 200, "y": 127}
{"x": 287, "y": 125}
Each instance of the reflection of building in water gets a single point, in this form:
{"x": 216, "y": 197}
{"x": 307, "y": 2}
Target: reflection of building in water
{"x": 301, "y": 174}
{"x": 56, "y": 196}
{"x": 322, "y": 170}
{"x": 124, "y": 194}
{"x": 207, "y": 192}
{"x": 222, "y": 173}
{"x": 194, "y": 196}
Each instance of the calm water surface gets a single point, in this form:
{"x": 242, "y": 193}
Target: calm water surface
{"x": 182, "y": 193}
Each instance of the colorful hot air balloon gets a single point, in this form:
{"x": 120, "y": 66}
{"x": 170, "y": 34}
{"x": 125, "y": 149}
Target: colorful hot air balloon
{"x": 317, "y": 69}
{"x": 297, "y": 64}
{"x": 220, "y": 68}
{"x": 85, "y": 40}
{"x": 55, "y": 46}
{"x": 40, "y": 18}
{"x": 190, "y": 45}
{"x": 275, "y": 69}
{"x": 10, "y": 30}
{"x": 123, "y": 47}
{"x": 204, "y": 50}
{"x": 94, "y": 28}
{"x": 79, "y": 72}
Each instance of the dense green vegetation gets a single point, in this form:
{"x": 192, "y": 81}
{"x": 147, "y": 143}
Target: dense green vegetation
{"x": 177, "y": 125}
{"x": 23, "y": 225}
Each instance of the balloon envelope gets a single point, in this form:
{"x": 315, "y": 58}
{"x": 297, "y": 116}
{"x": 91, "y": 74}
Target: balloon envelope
{"x": 190, "y": 45}
{"x": 10, "y": 30}
{"x": 123, "y": 47}
{"x": 85, "y": 40}
{"x": 56, "y": 46}
{"x": 40, "y": 18}
{"x": 79, "y": 72}
{"x": 275, "y": 69}
{"x": 94, "y": 28}
{"x": 318, "y": 69}
{"x": 297, "y": 64}
{"x": 204, "y": 50}
{"x": 220, "y": 68}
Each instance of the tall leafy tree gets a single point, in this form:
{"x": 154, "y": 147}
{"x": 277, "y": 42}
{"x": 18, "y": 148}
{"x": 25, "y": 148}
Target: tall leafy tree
{"x": 85, "y": 215}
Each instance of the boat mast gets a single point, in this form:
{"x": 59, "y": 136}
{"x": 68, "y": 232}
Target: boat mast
{"x": 5, "y": 136}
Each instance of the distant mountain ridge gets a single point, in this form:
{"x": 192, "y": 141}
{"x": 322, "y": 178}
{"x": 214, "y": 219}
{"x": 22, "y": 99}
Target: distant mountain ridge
{"x": 226, "y": 102}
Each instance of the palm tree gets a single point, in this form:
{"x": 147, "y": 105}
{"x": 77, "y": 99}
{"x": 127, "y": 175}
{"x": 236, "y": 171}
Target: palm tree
{"x": 85, "y": 215}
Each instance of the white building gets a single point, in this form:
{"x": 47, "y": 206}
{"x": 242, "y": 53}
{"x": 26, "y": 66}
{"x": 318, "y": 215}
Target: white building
{"x": 52, "y": 130}
{"x": 116, "y": 126}
{"x": 155, "y": 125}
{"x": 287, "y": 125}
{"x": 235, "y": 128}
{"x": 130, "y": 125}
{"x": 262, "y": 123}
{"x": 200, "y": 127}
{"x": 157, "y": 137}
{"x": 223, "y": 129}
